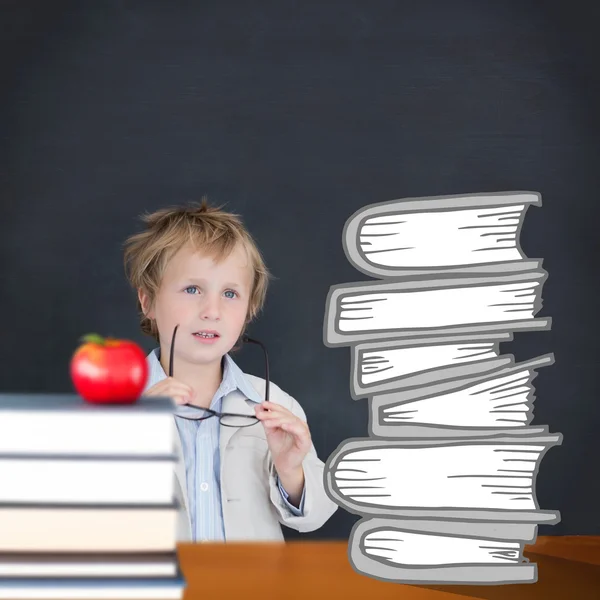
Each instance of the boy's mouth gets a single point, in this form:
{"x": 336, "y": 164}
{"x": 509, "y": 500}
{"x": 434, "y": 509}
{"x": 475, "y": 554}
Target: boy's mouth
{"x": 206, "y": 334}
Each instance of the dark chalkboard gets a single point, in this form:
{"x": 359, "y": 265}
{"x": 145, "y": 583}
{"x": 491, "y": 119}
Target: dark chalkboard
{"x": 295, "y": 115}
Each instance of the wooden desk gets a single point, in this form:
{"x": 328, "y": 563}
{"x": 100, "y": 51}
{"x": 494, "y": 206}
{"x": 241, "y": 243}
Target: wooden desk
{"x": 568, "y": 568}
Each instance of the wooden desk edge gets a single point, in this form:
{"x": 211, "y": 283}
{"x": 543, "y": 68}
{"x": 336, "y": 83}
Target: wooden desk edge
{"x": 582, "y": 548}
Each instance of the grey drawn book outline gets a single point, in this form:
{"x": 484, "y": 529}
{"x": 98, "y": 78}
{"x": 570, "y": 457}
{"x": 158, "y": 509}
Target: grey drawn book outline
{"x": 445, "y": 481}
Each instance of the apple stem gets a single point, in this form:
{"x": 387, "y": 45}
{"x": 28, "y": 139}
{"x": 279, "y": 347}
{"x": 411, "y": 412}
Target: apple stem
{"x": 93, "y": 338}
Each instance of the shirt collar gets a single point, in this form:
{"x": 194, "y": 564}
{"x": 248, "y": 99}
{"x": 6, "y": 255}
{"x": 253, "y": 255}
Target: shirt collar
{"x": 233, "y": 377}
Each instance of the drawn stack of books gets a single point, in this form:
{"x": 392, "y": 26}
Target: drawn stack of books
{"x": 87, "y": 499}
{"x": 445, "y": 482}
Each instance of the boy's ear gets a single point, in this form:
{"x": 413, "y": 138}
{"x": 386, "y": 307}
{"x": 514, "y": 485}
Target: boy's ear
{"x": 145, "y": 303}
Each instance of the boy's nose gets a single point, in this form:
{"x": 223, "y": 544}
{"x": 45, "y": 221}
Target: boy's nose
{"x": 211, "y": 310}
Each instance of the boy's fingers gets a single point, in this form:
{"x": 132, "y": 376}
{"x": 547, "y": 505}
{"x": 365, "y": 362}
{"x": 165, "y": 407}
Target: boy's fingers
{"x": 180, "y": 400}
{"x": 179, "y": 392}
{"x": 266, "y": 414}
{"x": 170, "y": 381}
{"x": 299, "y": 432}
{"x": 267, "y": 417}
{"x": 268, "y": 405}
{"x": 291, "y": 425}
{"x": 272, "y": 408}
{"x": 180, "y": 389}
{"x": 177, "y": 387}
{"x": 271, "y": 423}
{"x": 274, "y": 419}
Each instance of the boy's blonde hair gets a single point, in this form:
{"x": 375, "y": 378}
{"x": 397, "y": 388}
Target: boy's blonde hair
{"x": 208, "y": 229}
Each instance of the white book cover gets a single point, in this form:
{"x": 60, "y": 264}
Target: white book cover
{"x": 414, "y": 551}
{"x": 499, "y": 400}
{"x": 47, "y": 528}
{"x": 391, "y": 476}
{"x": 447, "y": 305}
{"x": 397, "y": 364}
{"x": 88, "y": 564}
{"x": 66, "y": 424}
{"x": 61, "y": 588}
{"x": 428, "y": 549}
{"x": 421, "y": 235}
{"x": 68, "y": 479}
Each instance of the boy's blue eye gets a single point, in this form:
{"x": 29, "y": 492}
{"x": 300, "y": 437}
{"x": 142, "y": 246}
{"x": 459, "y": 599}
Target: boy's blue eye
{"x": 232, "y": 293}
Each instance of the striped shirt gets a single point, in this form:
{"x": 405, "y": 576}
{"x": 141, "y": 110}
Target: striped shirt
{"x": 200, "y": 446}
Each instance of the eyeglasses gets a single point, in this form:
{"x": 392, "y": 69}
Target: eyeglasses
{"x": 226, "y": 419}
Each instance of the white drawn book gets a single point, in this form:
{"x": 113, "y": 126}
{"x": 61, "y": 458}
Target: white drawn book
{"x": 495, "y": 403}
{"x": 422, "y": 551}
{"x": 446, "y": 305}
{"x": 379, "y": 367}
{"x": 421, "y": 235}
{"x": 472, "y": 476}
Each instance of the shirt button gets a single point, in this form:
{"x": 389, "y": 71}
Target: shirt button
{"x": 204, "y": 486}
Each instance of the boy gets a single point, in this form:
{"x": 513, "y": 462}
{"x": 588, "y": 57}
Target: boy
{"x": 197, "y": 271}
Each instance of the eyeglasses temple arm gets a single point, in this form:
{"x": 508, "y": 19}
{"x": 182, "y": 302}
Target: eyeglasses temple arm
{"x": 247, "y": 339}
{"x": 172, "y": 351}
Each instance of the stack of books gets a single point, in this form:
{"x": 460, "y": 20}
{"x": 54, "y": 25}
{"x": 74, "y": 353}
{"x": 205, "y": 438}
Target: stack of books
{"x": 445, "y": 482}
{"x": 88, "y": 505}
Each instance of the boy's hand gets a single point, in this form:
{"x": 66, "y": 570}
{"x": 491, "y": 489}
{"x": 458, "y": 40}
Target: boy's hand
{"x": 289, "y": 440}
{"x": 180, "y": 392}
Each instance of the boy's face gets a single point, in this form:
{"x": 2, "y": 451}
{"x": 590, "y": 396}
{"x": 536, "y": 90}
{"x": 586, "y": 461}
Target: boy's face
{"x": 203, "y": 297}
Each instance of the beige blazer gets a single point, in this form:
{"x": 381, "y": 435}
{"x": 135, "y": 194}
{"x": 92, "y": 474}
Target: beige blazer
{"x": 253, "y": 509}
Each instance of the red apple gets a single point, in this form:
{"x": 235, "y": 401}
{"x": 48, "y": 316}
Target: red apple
{"x": 109, "y": 370}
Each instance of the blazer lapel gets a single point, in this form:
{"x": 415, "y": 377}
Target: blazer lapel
{"x": 234, "y": 402}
